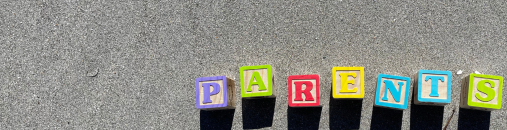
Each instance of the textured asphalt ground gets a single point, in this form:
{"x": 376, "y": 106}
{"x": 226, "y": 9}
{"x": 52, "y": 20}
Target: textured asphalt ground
{"x": 132, "y": 64}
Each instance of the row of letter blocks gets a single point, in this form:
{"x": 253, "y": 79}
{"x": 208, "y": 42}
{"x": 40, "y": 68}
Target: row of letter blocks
{"x": 432, "y": 87}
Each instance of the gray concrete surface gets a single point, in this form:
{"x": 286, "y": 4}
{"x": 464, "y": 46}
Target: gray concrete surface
{"x": 132, "y": 64}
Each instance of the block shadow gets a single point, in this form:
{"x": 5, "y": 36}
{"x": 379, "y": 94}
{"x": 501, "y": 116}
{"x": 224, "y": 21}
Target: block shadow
{"x": 306, "y": 118}
{"x": 386, "y": 119}
{"x": 424, "y": 117}
{"x": 473, "y": 119}
{"x": 258, "y": 112}
{"x": 217, "y": 119}
{"x": 344, "y": 114}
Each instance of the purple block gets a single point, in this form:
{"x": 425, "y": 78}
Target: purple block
{"x": 207, "y": 87}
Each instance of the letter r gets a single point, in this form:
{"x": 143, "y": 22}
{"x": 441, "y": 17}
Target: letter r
{"x": 299, "y": 91}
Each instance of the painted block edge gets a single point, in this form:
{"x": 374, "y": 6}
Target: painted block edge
{"x": 334, "y": 85}
{"x": 317, "y": 97}
{"x": 269, "y": 93}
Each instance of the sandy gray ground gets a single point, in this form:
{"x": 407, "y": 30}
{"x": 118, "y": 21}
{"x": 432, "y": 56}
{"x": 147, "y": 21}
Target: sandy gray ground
{"x": 132, "y": 64}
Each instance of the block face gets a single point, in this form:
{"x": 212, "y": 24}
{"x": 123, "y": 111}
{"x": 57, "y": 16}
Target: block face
{"x": 256, "y": 81}
{"x": 434, "y": 86}
{"x": 485, "y": 91}
{"x": 392, "y": 91}
{"x": 211, "y": 92}
{"x": 348, "y": 82}
{"x": 304, "y": 90}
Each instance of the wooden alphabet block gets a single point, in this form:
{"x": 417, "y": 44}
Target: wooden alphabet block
{"x": 481, "y": 92}
{"x": 304, "y": 90}
{"x": 257, "y": 81}
{"x": 392, "y": 91}
{"x": 214, "y": 93}
{"x": 348, "y": 82}
{"x": 434, "y": 87}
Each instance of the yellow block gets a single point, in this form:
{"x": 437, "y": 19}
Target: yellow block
{"x": 348, "y": 82}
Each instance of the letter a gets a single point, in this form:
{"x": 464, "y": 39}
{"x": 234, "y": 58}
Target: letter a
{"x": 390, "y": 86}
{"x": 258, "y": 81}
{"x": 300, "y": 92}
{"x": 207, "y": 93}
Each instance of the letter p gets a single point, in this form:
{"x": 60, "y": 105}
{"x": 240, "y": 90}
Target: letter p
{"x": 207, "y": 93}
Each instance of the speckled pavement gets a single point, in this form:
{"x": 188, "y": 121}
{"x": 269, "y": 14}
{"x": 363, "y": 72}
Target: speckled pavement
{"x": 69, "y": 64}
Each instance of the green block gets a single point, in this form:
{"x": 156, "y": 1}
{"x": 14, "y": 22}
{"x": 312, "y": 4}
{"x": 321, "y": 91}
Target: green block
{"x": 482, "y": 92}
{"x": 256, "y": 81}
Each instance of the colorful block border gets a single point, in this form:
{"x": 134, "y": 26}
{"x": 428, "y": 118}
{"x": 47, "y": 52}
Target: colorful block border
{"x": 485, "y": 105}
{"x": 360, "y": 69}
{"x": 269, "y": 84}
{"x": 317, "y": 87}
{"x": 198, "y": 100}
{"x": 419, "y": 90}
{"x": 385, "y": 104}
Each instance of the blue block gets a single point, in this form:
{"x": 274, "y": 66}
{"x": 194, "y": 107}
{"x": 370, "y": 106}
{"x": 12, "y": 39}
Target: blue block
{"x": 432, "y": 80}
{"x": 394, "y": 85}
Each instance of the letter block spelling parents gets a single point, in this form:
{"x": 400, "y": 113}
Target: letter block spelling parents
{"x": 433, "y": 87}
{"x": 348, "y": 82}
{"x": 214, "y": 93}
{"x": 482, "y": 92}
{"x": 257, "y": 81}
{"x": 304, "y": 90}
{"x": 392, "y": 91}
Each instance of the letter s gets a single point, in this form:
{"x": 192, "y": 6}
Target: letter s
{"x": 481, "y": 86}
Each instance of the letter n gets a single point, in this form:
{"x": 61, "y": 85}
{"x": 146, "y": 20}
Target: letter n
{"x": 395, "y": 92}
